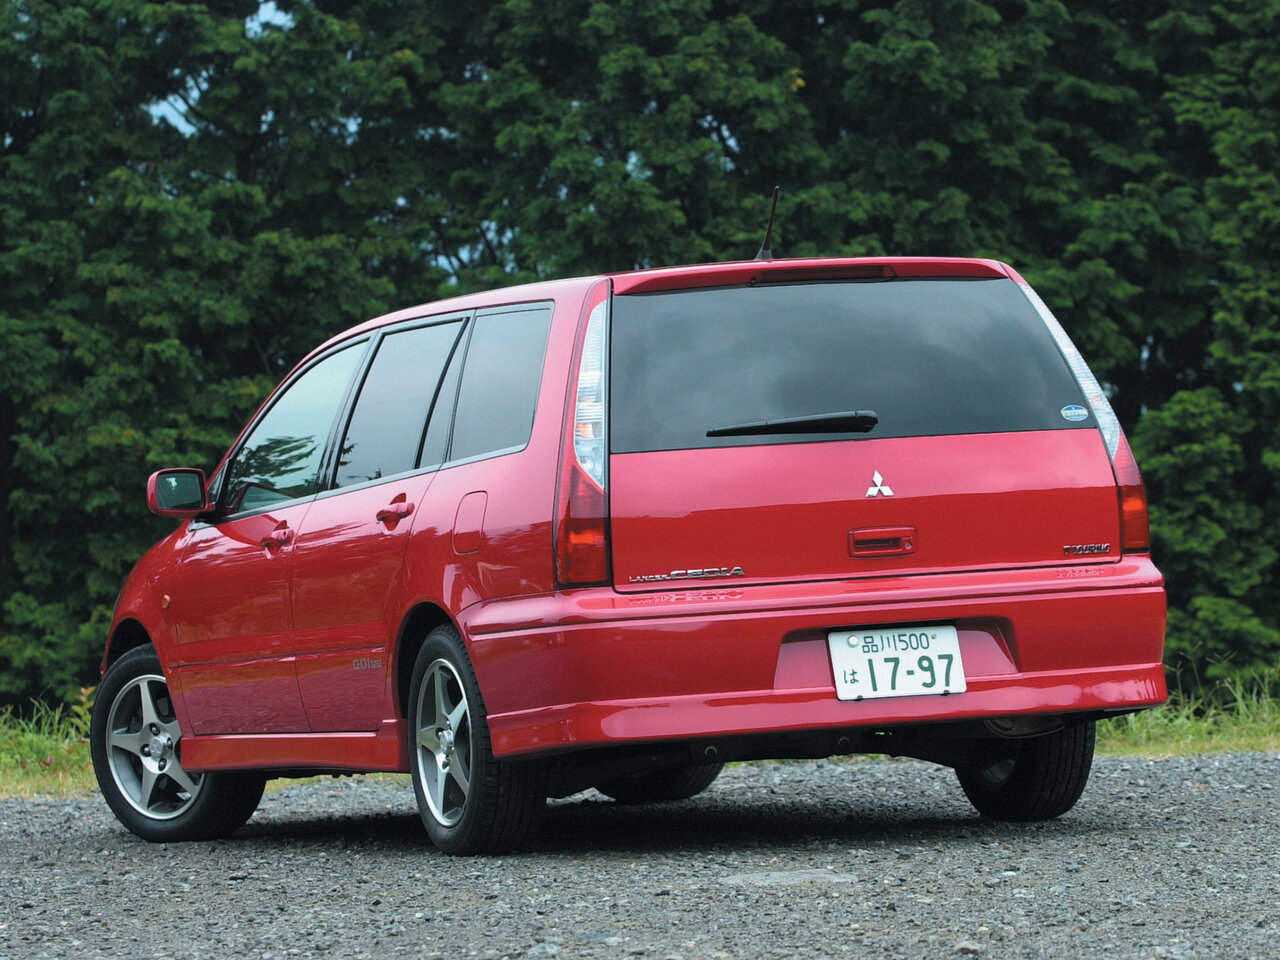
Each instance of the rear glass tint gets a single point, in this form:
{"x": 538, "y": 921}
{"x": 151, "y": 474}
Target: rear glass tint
{"x": 929, "y": 357}
{"x": 390, "y": 415}
{"x": 500, "y": 379}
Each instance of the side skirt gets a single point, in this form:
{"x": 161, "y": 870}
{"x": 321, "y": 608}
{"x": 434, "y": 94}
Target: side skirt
{"x": 384, "y": 750}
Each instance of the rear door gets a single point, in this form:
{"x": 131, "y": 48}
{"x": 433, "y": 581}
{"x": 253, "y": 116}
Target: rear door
{"x": 936, "y": 427}
{"x": 351, "y": 550}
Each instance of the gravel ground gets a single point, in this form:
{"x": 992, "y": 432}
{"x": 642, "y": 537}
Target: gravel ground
{"x": 1168, "y": 858}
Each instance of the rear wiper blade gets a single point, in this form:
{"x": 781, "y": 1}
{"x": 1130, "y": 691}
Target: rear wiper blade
{"x": 848, "y": 421}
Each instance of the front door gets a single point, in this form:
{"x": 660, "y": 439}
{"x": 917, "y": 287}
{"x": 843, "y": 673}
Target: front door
{"x": 233, "y": 639}
{"x": 233, "y": 650}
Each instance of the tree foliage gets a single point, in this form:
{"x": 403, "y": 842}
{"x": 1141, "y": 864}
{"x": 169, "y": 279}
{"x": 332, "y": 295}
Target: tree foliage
{"x": 193, "y": 194}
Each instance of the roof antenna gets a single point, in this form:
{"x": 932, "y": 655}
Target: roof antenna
{"x": 766, "y": 253}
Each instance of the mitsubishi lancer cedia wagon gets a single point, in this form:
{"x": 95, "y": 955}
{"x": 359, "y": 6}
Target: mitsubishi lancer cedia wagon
{"x": 615, "y": 531}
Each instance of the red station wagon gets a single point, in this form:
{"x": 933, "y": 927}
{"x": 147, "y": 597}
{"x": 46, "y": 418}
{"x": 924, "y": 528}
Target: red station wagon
{"x": 615, "y": 531}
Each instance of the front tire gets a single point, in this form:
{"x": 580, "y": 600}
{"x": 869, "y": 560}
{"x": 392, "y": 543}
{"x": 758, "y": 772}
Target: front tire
{"x": 1042, "y": 779}
{"x": 136, "y": 746}
{"x": 469, "y": 801}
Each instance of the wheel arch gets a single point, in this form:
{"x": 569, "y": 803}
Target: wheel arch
{"x": 129, "y": 634}
{"x": 419, "y": 622}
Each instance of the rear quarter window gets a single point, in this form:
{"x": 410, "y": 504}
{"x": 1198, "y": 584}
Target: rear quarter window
{"x": 501, "y": 375}
{"x": 929, "y": 357}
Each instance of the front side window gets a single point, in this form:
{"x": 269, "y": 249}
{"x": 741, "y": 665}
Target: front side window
{"x": 280, "y": 459}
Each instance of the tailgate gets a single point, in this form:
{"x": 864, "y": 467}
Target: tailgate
{"x": 806, "y": 431}
{"x": 791, "y": 512}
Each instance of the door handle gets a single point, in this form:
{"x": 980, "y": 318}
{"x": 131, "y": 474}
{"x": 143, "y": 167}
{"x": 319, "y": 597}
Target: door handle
{"x": 278, "y": 537}
{"x": 397, "y": 509}
{"x": 882, "y": 542}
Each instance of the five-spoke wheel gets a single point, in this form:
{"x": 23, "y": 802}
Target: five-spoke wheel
{"x": 470, "y": 802}
{"x": 136, "y": 744}
{"x": 142, "y": 750}
{"x": 444, "y": 742}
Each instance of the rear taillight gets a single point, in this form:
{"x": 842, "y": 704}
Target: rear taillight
{"x": 582, "y": 542}
{"x": 1134, "y": 531}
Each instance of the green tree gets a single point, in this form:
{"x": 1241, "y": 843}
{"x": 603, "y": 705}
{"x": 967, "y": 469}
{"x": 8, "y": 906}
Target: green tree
{"x": 1213, "y": 454}
{"x": 183, "y": 220}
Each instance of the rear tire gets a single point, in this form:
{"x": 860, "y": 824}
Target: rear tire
{"x": 469, "y": 801}
{"x": 1042, "y": 779}
{"x": 677, "y": 782}
{"x": 136, "y": 746}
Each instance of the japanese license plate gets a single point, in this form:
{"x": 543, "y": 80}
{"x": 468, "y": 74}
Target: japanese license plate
{"x": 898, "y": 661}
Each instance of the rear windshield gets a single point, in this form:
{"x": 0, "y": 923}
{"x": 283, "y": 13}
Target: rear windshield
{"x": 929, "y": 357}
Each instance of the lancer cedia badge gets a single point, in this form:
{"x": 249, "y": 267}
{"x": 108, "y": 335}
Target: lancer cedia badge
{"x": 704, "y": 574}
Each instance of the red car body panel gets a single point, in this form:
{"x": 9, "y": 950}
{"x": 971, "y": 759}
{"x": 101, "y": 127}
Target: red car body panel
{"x": 652, "y": 659}
{"x": 753, "y": 271}
{"x": 232, "y": 625}
{"x": 385, "y": 751}
{"x": 286, "y": 653}
{"x": 346, "y": 564}
{"x": 789, "y": 512}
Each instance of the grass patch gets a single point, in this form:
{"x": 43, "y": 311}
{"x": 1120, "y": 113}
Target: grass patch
{"x": 47, "y": 752}
{"x": 1243, "y": 715}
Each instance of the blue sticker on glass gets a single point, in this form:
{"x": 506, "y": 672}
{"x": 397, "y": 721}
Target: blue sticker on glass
{"x": 1074, "y": 412}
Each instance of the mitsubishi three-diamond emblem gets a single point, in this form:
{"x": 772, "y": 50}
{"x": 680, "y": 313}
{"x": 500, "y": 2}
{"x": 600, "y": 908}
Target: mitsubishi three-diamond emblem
{"x": 878, "y": 486}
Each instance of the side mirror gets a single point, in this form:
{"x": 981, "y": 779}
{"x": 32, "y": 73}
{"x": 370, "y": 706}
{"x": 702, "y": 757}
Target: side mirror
{"x": 177, "y": 493}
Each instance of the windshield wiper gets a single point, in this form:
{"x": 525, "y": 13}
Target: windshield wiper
{"x": 848, "y": 421}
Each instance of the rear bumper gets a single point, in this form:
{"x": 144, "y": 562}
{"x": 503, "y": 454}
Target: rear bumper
{"x": 594, "y": 667}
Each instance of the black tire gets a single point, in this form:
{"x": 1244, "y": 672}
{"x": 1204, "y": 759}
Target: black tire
{"x": 678, "y": 782}
{"x": 136, "y": 746}
{"x": 1042, "y": 779}
{"x": 469, "y": 802}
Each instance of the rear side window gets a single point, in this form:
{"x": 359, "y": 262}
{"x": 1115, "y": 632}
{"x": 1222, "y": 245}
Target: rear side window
{"x": 929, "y": 357}
{"x": 500, "y": 380}
{"x": 385, "y": 433}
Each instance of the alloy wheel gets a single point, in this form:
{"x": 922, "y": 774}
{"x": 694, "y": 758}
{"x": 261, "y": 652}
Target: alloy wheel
{"x": 142, "y": 751}
{"x": 444, "y": 742}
